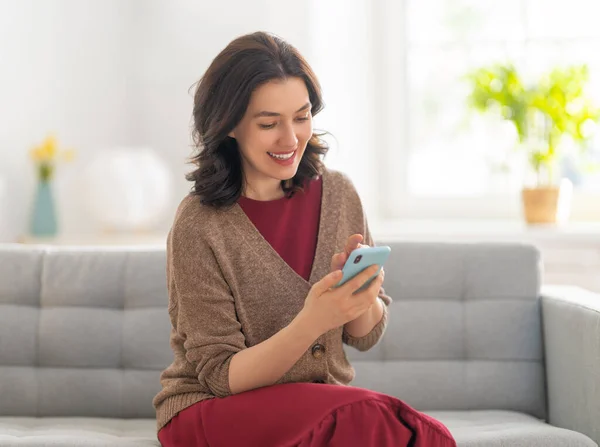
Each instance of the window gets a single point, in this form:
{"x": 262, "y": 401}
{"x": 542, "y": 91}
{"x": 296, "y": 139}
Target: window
{"x": 448, "y": 161}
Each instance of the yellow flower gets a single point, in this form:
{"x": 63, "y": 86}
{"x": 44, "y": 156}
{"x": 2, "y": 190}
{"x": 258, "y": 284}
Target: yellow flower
{"x": 49, "y": 147}
{"x": 37, "y": 154}
{"x": 48, "y": 152}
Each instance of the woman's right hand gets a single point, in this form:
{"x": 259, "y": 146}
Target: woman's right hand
{"x": 326, "y": 308}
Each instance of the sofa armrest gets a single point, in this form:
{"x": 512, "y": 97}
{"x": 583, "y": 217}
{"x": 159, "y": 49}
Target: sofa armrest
{"x": 571, "y": 324}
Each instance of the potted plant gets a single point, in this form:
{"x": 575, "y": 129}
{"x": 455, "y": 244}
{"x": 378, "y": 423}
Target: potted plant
{"x": 543, "y": 114}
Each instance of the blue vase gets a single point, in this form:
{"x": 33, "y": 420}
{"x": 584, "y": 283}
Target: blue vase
{"x": 43, "y": 219}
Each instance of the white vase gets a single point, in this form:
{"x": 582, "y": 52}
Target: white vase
{"x": 127, "y": 189}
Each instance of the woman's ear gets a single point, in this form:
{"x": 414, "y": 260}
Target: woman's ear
{"x": 231, "y": 134}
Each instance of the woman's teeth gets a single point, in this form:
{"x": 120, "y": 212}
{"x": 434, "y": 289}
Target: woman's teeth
{"x": 282, "y": 156}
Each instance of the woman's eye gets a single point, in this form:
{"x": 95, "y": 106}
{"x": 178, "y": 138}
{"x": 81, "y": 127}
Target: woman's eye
{"x": 272, "y": 125}
{"x": 267, "y": 126}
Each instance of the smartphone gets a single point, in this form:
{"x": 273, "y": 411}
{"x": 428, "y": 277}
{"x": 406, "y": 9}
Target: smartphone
{"x": 362, "y": 258}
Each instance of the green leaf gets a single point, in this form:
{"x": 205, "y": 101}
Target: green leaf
{"x": 554, "y": 107}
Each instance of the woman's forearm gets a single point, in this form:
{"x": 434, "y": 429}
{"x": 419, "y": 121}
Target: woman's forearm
{"x": 265, "y": 363}
{"x": 364, "y": 324}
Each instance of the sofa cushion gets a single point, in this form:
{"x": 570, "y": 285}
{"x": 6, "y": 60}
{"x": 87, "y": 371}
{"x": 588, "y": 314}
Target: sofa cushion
{"x": 464, "y": 329}
{"x": 507, "y": 429}
{"x": 470, "y": 429}
{"x": 84, "y": 331}
{"x": 80, "y": 432}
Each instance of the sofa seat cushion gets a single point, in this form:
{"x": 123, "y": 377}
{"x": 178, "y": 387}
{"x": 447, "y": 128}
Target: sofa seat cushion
{"x": 81, "y": 432}
{"x": 507, "y": 429}
{"x": 470, "y": 429}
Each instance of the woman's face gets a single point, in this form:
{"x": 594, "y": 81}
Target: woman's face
{"x": 274, "y": 131}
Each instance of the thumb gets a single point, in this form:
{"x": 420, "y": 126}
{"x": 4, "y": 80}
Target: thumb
{"x": 328, "y": 281}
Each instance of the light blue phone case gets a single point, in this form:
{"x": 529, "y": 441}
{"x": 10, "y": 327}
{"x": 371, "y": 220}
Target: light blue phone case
{"x": 360, "y": 259}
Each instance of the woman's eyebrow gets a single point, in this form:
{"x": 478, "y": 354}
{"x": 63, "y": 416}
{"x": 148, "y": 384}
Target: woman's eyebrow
{"x": 266, "y": 113}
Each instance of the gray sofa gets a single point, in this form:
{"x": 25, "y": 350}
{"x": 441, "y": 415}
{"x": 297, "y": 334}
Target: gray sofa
{"x": 472, "y": 341}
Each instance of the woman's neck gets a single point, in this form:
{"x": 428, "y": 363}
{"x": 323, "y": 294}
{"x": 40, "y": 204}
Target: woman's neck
{"x": 264, "y": 191}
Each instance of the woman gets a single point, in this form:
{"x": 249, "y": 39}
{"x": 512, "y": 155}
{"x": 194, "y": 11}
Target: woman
{"x": 253, "y": 253}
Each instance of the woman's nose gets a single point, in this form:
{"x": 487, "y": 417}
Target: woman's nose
{"x": 289, "y": 138}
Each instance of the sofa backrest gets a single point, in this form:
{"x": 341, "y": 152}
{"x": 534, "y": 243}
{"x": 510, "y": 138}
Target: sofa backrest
{"x": 464, "y": 330}
{"x": 85, "y": 331}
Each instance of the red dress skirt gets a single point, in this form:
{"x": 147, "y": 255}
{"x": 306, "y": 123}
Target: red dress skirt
{"x": 304, "y": 415}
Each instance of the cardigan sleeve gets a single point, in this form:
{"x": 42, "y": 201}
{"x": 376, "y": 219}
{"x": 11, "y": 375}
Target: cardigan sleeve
{"x": 201, "y": 306}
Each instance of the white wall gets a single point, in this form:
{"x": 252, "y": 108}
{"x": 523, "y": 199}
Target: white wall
{"x": 342, "y": 36}
{"x": 64, "y": 69}
{"x": 103, "y": 73}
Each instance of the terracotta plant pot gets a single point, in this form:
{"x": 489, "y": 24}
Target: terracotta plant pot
{"x": 546, "y": 204}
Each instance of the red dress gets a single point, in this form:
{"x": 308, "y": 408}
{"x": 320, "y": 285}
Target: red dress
{"x": 301, "y": 414}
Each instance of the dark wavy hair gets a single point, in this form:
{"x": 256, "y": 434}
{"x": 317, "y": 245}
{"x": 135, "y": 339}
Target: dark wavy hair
{"x": 220, "y": 102}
